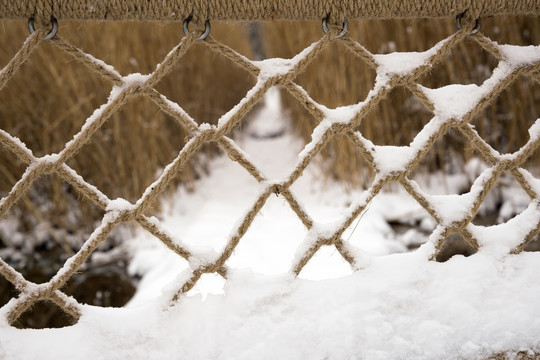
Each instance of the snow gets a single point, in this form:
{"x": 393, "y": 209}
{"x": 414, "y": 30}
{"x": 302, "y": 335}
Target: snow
{"x": 342, "y": 114}
{"x": 392, "y": 158}
{"x": 127, "y": 81}
{"x": 273, "y": 67}
{"x": 323, "y": 231}
{"x": 119, "y": 205}
{"x": 534, "y": 131}
{"x": 520, "y": 55}
{"x": 398, "y": 305}
{"x": 534, "y": 182}
{"x": 108, "y": 219}
{"x": 403, "y": 63}
{"x": 500, "y": 239}
{"x": 455, "y": 101}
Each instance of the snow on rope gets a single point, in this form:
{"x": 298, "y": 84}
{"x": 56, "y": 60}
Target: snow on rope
{"x": 452, "y": 106}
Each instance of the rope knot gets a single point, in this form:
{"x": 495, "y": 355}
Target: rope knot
{"x": 396, "y": 176}
{"x": 48, "y": 164}
{"x": 209, "y": 269}
{"x": 209, "y": 133}
{"x": 457, "y": 226}
{"x": 326, "y": 241}
{"x": 122, "y": 210}
{"x": 507, "y": 164}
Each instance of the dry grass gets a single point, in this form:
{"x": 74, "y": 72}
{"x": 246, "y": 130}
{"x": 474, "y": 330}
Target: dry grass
{"x": 338, "y": 78}
{"x": 50, "y": 97}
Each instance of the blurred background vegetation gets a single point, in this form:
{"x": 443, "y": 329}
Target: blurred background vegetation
{"x": 50, "y": 97}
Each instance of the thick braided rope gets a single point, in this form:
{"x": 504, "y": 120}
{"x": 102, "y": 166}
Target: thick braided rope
{"x": 120, "y": 211}
{"x": 244, "y": 10}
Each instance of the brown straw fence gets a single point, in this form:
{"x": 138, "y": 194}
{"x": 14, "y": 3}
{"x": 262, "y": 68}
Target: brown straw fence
{"x": 331, "y": 123}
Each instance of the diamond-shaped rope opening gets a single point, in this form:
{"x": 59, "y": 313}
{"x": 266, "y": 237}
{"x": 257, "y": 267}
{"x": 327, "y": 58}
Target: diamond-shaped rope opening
{"x": 338, "y": 77}
{"x": 265, "y": 249}
{"x": 192, "y": 90}
{"x": 44, "y": 314}
{"x": 468, "y": 63}
{"x": 504, "y": 201}
{"x": 139, "y": 133}
{"x": 73, "y": 92}
{"x": 397, "y": 119}
{"x": 504, "y": 124}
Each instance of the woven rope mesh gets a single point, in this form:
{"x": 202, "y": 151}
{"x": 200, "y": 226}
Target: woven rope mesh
{"x": 391, "y": 164}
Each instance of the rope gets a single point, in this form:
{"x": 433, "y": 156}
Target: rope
{"x": 129, "y": 87}
{"x": 246, "y": 10}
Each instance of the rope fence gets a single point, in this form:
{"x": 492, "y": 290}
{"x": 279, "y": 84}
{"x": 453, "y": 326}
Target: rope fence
{"x": 453, "y": 213}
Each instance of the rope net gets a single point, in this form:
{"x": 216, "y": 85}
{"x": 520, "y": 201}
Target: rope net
{"x": 391, "y": 164}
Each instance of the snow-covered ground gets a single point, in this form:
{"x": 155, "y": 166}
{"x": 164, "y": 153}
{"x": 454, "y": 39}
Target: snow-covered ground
{"x": 401, "y": 306}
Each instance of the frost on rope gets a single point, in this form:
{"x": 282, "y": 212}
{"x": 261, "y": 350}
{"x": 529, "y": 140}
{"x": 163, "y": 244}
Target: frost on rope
{"x": 103, "y": 64}
{"x": 18, "y": 142}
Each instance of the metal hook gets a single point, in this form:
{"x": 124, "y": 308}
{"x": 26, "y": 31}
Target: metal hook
{"x": 343, "y": 31}
{"x": 204, "y": 35}
{"x": 51, "y": 34}
{"x": 477, "y": 23}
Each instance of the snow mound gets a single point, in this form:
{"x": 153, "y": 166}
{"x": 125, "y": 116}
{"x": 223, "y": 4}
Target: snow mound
{"x": 400, "y": 307}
